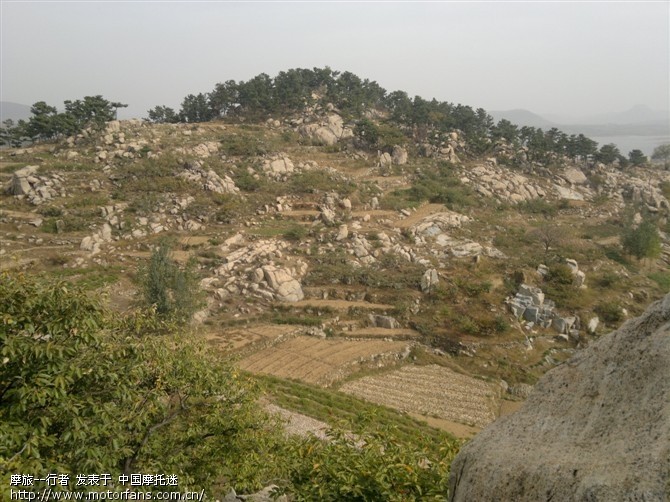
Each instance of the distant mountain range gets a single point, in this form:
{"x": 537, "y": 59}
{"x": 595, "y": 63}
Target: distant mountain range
{"x": 639, "y": 120}
{"x": 14, "y": 111}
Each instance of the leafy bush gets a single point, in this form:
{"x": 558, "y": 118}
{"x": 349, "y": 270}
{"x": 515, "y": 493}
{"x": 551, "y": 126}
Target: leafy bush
{"x": 662, "y": 279}
{"x": 295, "y": 233}
{"x": 319, "y": 181}
{"x": 559, "y": 275}
{"x": 171, "y": 290}
{"x": 243, "y": 145}
{"x": 538, "y": 206}
{"x": 440, "y": 185}
{"x": 609, "y": 312}
{"x": 369, "y": 465}
{"x": 85, "y": 391}
{"x": 643, "y": 241}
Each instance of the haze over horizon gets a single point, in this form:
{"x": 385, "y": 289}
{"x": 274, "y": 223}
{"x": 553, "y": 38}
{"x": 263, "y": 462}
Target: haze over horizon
{"x": 569, "y": 59}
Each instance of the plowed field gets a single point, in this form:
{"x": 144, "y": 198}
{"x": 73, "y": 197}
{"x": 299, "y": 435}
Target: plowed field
{"x": 430, "y": 390}
{"x": 318, "y": 361}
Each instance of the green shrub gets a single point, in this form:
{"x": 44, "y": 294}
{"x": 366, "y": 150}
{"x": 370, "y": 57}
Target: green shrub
{"x": 609, "y": 312}
{"x": 662, "y": 279}
{"x": 369, "y": 465}
{"x": 538, "y": 206}
{"x": 559, "y": 275}
{"x": 643, "y": 241}
{"x": 50, "y": 211}
{"x": 172, "y": 291}
{"x": 88, "y": 391}
{"x": 296, "y": 233}
{"x": 243, "y": 145}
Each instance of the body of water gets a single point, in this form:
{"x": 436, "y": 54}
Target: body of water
{"x": 628, "y": 143}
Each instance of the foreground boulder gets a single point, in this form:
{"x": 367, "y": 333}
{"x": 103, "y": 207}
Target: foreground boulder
{"x": 596, "y": 428}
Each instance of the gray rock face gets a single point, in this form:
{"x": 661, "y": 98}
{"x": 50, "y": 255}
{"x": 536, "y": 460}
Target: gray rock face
{"x": 383, "y": 321}
{"x": 429, "y": 280}
{"x": 596, "y": 428}
{"x": 286, "y": 287}
{"x": 399, "y": 155}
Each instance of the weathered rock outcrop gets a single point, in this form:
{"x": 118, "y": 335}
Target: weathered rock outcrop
{"x": 596, "y": 428}
{"x": 37, "y": 189}
{"x": 193, "y": 171}
{"x": 328, "y": 130}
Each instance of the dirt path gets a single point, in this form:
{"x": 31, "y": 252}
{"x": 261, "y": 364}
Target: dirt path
{"x": 341, "y": 304}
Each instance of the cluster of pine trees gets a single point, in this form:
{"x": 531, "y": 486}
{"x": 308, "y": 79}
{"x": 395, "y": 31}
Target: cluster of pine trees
{"x": 295, "y": 90}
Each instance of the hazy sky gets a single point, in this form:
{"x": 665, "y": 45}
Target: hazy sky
{"x": 566, "y": 58}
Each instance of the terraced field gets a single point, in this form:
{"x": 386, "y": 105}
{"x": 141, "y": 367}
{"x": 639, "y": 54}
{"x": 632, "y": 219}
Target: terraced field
{"x": 430, "y": 390}
{"x": 396, "y": 333}
{"x": 318, "y": 361}
{"x": 235, "y": 339}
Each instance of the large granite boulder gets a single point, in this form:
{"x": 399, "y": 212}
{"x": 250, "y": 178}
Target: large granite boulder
{"x": 596, "y": 428}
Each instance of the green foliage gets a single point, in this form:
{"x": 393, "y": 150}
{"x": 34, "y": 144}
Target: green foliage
{"x": 171, "y": 290}
{"x": 163, "y": 115}
{"x": 662, "y": 153}
{"x": 368, "y": 465}
{"x": 367, "y": 132}
{"x": 609, "y": 312}
{"x": 315, "y": 181}
{"x": 195, "y": 109}
{"x": 294, "y": 90}
{"x": 662, "y": 279}
{"x": 46, "y": 123}
{"x": 243, "y": 145}
{"x": 91, "y": 111}
{"x": 643, "y": 241}
{"x": 559, "y": 274}
{"x": 559, "y": 286}
{"x": 608, "y": 154}
{"x": 637, "y": 157}
{"x": 296, "y": 233}
{"x": 438, "y": 185}
{"x": 13, "y": 135}
{"x": 538, "y": 206}
{"x": 83, "y": 391}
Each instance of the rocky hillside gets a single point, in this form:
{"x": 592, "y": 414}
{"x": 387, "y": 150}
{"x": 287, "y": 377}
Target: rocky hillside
{"x": 595, "y": 428}
{"x": 322, "y": 258}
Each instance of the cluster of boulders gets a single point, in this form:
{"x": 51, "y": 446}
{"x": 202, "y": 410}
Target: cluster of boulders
{"x": 436, "y": 228}
{"x": 636, "y": 185}
{"x": 445, "y": 150}
{"x": 398, "y": 157}
{"x": 117, "y": 140}
{"x": 93, "y": 242}
{"x": 492, "y": 181}
{"x": 257, "y": 269}
{"x": 530, "y": 304}
{"x": 278, "y": 166}
{"x": 326, "y": 130}
{"x": 571, "y": 184}
{"x": 331, "y": 207}
{"x": 366, "y": 252}
{"x": 37, "y": 189}
{"x": 208, "y": 179}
